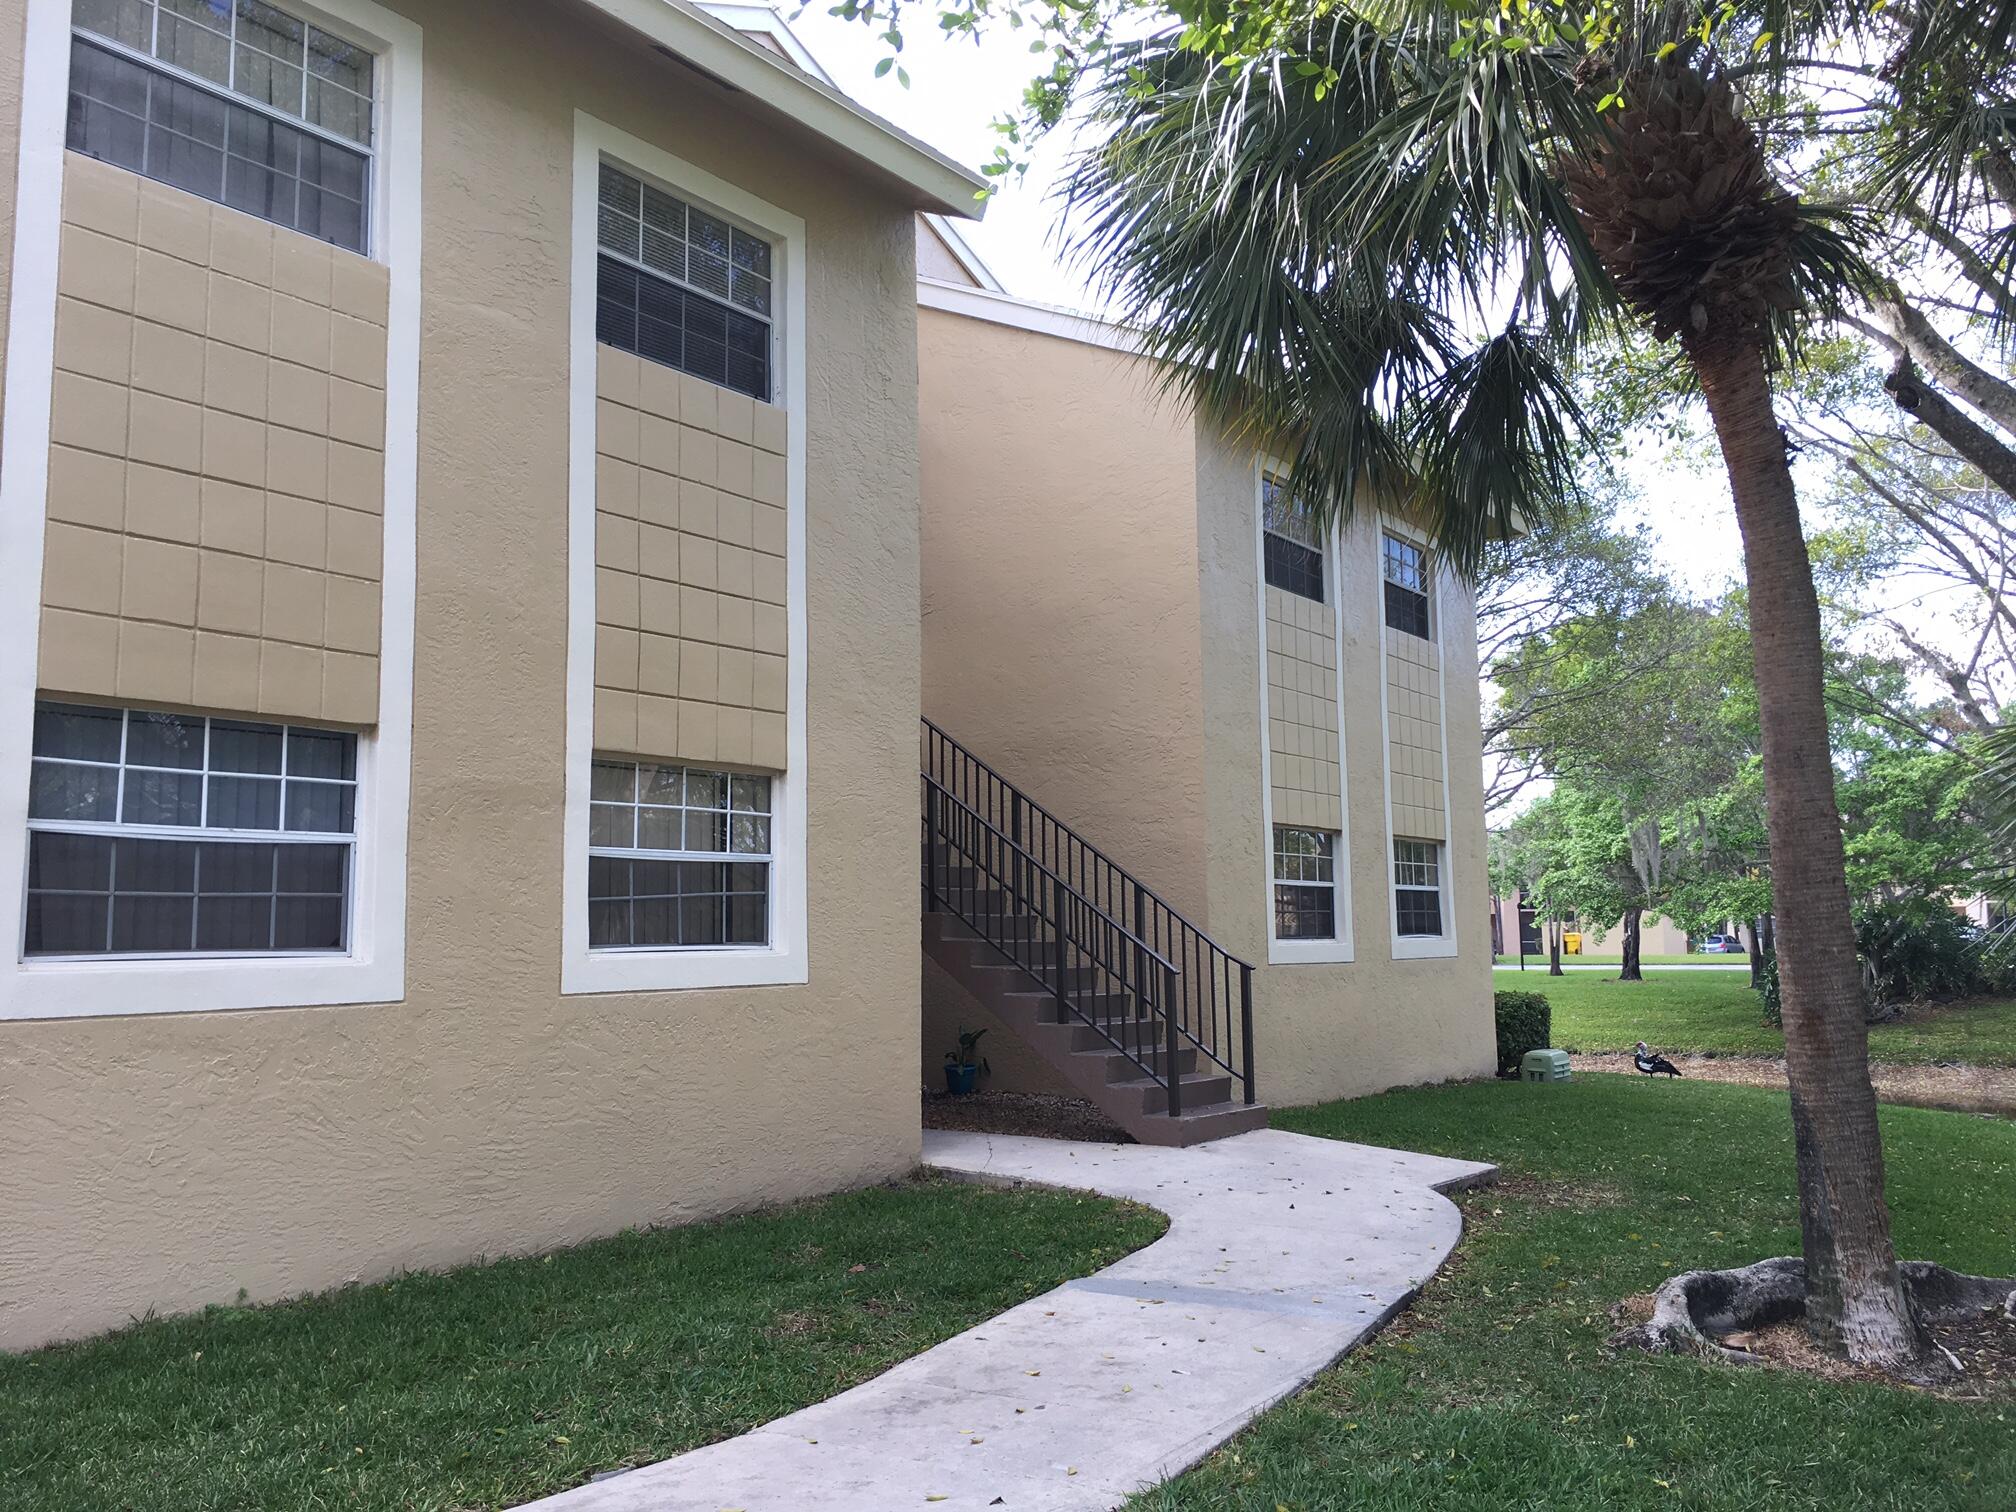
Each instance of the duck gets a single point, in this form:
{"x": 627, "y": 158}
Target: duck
{"x": 1653, "y": 1065}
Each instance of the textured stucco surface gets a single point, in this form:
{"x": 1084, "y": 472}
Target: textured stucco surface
{"x": 1092, "y": 629}
{"x": 1061, "y": 641}
{"x": 1337, "y": 1030}
{"x": 164, "y": 1162}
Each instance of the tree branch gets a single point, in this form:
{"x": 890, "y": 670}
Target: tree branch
{"x": 1949, "y": 368}
{"x": 1996, "y": 461}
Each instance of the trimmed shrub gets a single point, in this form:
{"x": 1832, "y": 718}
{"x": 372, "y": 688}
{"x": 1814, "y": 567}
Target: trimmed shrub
{"x": 1525, "y": 1022}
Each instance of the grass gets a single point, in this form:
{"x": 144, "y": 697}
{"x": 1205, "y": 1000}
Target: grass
{"x": 1712, "y": 1011}
{"x": 1616, "y": 958}
{"x": 1496, "y": 1393}
{"x": 486, "y": 1386}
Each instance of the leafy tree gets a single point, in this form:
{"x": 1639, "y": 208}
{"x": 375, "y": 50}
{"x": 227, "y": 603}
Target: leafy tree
{"x": 1375, "y": 231}
{"x": 1575, "y": 567}
{"x": 1634, "y": 708}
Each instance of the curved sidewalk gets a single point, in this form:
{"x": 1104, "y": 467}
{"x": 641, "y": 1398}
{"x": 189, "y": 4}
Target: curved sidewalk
{"x": 1283, "y": 1252}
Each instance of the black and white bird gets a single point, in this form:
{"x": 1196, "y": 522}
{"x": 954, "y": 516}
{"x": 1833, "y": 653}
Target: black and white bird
{"x": 1653, "y": 1065}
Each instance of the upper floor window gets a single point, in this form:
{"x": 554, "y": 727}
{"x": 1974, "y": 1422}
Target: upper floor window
{"x": 1407, "y": 577}
{"x": 678, "y": 285}
{"x": 234, "y": 100}
{"x": 175, "y": 834}
{"x": 677, "y": 856}
{"x": 1417, "y": 886}
{"x": 1292, "y": 548}
{"x": 1305, "y": 884}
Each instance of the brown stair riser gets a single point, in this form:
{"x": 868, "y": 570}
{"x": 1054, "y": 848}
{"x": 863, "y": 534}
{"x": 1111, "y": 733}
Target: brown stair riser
{"x": 1099, "y": 1073}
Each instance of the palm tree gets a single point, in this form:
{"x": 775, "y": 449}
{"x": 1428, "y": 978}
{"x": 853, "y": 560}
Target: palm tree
{"x": 1386, "y": 230}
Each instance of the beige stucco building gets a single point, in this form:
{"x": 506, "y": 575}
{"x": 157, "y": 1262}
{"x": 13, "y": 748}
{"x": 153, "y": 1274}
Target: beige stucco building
{"x": 1277, "y": 733}
{"x": 460, "y": 654}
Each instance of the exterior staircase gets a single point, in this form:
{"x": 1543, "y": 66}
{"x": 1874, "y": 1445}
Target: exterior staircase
{"x": 1132, "y": 1004}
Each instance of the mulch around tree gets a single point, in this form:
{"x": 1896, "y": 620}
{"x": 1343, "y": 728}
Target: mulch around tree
{"x": 1953, "y": 1089}
{"x": 1035, "y": 1113}
{"x": 1985, "y": 1347}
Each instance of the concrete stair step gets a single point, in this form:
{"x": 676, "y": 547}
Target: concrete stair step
{"x": 1075, "y": 1041}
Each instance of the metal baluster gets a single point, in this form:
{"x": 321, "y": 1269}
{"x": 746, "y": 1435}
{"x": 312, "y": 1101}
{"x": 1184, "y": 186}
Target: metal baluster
{"x": 1246, "y": 1024}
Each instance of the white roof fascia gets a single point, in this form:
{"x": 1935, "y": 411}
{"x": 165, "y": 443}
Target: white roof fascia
{"x": 1026, "y": 315}
{"x": 717, "y": 48}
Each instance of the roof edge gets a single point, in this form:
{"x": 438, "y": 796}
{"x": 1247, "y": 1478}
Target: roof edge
{"x": 1028, "y": 315}
{"x": 715, "y": 46}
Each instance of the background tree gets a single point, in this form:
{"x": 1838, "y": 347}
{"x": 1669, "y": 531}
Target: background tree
{"x": 1374, "y": 230}
{"x": 1576, "y": 567}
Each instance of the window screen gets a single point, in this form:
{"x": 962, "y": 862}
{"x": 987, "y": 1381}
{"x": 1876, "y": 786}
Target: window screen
{"x": 680, "y": 286}
{"x": 234, "y": 100}
{"x": 172, "y": 834}
{"x": 677, "y": 856}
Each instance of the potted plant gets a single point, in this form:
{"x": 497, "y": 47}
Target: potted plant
{"x": 963, "y": 1065}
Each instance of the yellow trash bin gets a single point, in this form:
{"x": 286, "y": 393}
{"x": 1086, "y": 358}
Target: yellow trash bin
{"x": 1571, "y": 944}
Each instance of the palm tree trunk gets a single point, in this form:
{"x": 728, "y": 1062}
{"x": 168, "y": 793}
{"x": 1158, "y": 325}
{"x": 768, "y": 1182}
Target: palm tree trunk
{"x": 1856, "y": 1304}
{"x": 1633, "y": 938}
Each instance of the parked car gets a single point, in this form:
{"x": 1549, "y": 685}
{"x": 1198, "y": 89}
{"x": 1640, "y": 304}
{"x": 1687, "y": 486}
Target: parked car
{"x": 1722, "y": 945}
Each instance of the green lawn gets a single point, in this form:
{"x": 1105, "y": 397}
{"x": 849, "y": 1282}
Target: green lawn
{"x": 488, "y": 1386}
{"x": 1689, "y": 1011}
{"x": 1495, "y": 1392}
{"x": 1616, "y": 957}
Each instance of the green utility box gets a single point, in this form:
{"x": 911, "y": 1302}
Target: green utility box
{"x": 1544, "y": 1066}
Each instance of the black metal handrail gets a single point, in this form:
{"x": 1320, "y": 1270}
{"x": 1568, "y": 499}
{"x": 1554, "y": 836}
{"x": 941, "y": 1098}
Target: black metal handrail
{"x": 1208, "y": 999}
{"x": 1101, "y": 974}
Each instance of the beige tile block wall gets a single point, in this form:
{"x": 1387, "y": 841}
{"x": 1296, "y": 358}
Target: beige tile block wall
{"x": 216, "y": 467}
{"x": 689, "y": 568}
{"x": 1302, "y": 730}
{"x": 1414, "y": 736}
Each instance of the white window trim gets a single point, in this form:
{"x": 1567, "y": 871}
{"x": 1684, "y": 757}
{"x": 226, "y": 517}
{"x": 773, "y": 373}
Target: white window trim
{"x": 375, "y": 969}
{"x": 1414, "y": 947}
{"x": 1342, "y": 948}
{"x": 783, "y": 961}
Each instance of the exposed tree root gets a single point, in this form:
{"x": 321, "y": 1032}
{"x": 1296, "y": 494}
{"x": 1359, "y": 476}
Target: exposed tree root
{"x": 1715, "y": 1313}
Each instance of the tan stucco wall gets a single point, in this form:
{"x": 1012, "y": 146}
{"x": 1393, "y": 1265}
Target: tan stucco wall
{"x": 1335, "y": 1030}
{"x": 1092, "y": 629}
{"x": 1061, "y": 641}
{"x": 690, "y": 567}
{"x": 163, "y": 1162}
{"x": 216, "y": 459}
{"x": 1414, "y": 690}
{"x": 1060, "y": 569}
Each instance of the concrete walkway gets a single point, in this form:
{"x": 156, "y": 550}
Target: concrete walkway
{"x": 1283, "y": 1252}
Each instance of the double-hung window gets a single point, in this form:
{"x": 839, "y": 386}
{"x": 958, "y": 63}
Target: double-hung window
{"x": 235, "y": 100}
{"x": 175, "y": 834}
{"x": 1407, "y": 570}
{"x": 1305, "y": 884}
{"x": 679, "y": 285}
{"x": 1292, "y": 549}
{"x": 1417, "y": 887}
{"x": 678, "y": 856}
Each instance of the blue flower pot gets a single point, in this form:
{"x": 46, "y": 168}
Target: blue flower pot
{"x": 959, "y": 1079}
